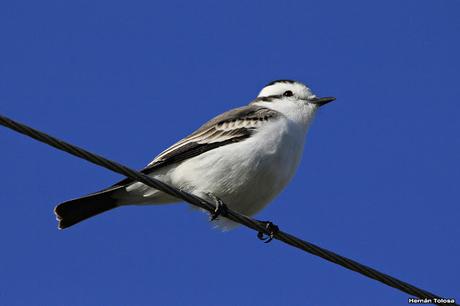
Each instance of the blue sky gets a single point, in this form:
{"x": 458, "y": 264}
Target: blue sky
{"x": 379, "y": 180}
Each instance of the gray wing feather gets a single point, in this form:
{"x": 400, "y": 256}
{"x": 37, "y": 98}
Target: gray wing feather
{"x": 230, "y": 127}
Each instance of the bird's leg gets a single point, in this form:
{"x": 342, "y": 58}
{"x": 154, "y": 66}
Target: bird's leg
{"x": 271, "y": 228}
{"x": 221, "y": 208}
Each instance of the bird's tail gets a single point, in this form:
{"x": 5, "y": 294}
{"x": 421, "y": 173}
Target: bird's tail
{"x": 71, "y": 212}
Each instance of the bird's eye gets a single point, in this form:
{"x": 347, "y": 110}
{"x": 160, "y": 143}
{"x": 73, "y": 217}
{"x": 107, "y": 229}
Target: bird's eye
{"x": 288, "y": 93}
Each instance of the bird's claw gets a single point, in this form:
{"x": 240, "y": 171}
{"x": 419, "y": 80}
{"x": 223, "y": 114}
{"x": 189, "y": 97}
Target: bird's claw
{"x": 221, "y": 208}
{"x": 271, "y": 228}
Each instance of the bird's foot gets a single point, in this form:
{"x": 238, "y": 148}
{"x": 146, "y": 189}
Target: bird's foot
{"x": 221, "y": 208}
{"x": 271, "y": 229}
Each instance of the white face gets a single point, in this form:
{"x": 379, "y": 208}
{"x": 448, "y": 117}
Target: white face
{"x": 292, "y": 99}
{"x": 287, "y": 89}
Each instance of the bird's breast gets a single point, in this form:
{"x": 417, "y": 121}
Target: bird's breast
{"x": 246, "y": 175}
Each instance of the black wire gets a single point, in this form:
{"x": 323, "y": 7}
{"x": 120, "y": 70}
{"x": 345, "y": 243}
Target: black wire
{"x": 232, "y": 215}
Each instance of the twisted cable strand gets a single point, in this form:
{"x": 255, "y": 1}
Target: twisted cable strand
{"x": 230, "y": 214}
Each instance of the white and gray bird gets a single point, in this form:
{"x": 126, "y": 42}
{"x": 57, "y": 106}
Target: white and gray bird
{"x": 244, "y": 157}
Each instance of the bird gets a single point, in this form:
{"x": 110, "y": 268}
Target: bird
{"x": 240, "y": 159}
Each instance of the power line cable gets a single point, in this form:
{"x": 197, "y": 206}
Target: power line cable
{"x": 228, "y": 213}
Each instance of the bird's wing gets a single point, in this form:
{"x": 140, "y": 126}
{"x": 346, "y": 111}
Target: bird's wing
{"x": 230, "y": 127}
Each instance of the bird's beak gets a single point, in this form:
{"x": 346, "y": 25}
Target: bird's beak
{"x": 322, "y": 101}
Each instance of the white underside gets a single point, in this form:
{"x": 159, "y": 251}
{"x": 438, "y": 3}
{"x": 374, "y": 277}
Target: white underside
{"x": 246, "y": 175}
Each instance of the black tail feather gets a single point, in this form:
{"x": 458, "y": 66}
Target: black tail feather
{"x": 77, "y": 210}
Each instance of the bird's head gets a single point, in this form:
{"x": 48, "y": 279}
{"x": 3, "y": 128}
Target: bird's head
{"x": 291, "y": 91}
{"x": 291, "y": 98}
